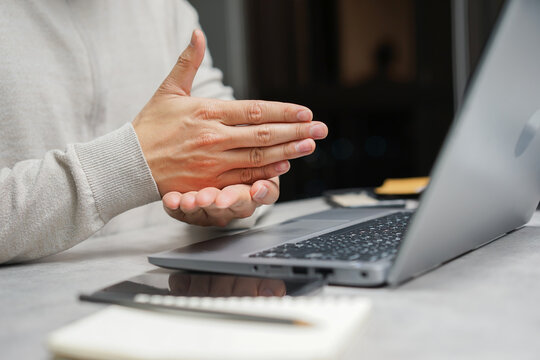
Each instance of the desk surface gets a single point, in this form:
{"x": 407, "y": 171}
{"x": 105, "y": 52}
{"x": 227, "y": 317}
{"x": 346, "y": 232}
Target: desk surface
{"x": 484, "y": 304}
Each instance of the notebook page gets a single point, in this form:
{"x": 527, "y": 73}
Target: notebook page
{"x": 127, "y": 333}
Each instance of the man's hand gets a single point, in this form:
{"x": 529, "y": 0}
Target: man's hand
{"x": 194, "y": 143}
{"x": 214, "y": 207}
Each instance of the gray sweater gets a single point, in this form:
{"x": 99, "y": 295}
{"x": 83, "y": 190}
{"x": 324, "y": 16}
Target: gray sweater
{"x": 73, "y": 75}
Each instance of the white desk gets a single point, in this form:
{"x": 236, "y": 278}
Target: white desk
{"x": 485, "y": 304}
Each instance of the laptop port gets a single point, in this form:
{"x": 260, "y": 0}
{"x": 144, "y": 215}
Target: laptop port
{"x": 364, "y": 274}
{"x": 324, "y": 271}
{"x": 297, "y": 270}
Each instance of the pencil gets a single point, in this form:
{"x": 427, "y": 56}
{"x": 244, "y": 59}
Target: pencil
{"x": 144, "y": 302}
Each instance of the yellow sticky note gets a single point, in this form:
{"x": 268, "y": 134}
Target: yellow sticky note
{"x": 405, "y": 186}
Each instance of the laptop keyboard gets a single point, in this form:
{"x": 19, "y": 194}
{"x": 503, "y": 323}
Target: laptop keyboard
{"x": 368, "y": 241}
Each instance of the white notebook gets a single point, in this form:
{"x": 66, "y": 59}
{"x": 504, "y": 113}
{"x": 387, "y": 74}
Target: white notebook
{"x": 119, "y": 332}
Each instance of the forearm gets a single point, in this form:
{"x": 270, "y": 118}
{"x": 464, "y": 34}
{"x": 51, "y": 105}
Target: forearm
{"x": 51, "y": 204}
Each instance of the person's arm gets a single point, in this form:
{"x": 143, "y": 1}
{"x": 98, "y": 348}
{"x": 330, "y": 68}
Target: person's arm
{"x": 50, "y": 204}
{"x": 180, "y": 142}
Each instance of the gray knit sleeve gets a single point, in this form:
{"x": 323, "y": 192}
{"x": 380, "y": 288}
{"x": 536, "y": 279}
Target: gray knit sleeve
{"x": 51, "y": 204}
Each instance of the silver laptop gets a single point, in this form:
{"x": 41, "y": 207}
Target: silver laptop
{"x": 485, "y": 183}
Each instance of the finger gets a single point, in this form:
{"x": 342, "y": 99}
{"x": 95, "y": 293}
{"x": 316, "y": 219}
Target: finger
{"x": 199, "y": 285}
{"x": 203, "y": 212}
{"x": 252, "y": 174}
{"x": 273, "y": 134}
{"x": 171, "y": 200}
{"x": 233, "y": 195}
{"x": 264, "y": 192}
{"x": 206, "y": 197}
{"x": 241, "y": 112}
{"x": 188, "y": 203}
{"x": 176, "y": 214}
{"x": 272, "y": 287}
{"x": 179, "y": 283}
{"x": 181, "y": 77}
{"x": 236, "y": 199}
{"x": 257, "y": 157}
{"x": 210, "y": 213}
{"x": 221, "y": 285}
{"x": 246, "y": 286}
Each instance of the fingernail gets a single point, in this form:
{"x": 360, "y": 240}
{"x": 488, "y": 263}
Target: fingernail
{"x": 193, "y": 37}
{"x": 317, "y": 131}
{"x": 282, "y": 167}
{"x": 304, "y": 115}
{"x": 267, "y": 292}
{"x": 261, "y": 193}
{"x": 303, "y": 146}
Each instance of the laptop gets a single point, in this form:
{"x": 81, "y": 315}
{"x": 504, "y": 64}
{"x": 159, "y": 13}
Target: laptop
{"x": 485, "y": 183}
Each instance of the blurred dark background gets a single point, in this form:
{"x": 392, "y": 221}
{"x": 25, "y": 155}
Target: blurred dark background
{"x": 386, "y": 76}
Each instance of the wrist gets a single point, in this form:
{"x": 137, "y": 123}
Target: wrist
{"x": 117, "y": 172}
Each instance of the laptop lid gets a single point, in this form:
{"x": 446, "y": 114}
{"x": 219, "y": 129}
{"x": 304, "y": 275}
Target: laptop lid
{"x": 486, "y": 181}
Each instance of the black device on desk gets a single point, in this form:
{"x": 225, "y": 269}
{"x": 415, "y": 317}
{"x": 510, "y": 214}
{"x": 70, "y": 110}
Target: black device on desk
{"x": 166, "y": 290}
{"x": 201, "y": 284}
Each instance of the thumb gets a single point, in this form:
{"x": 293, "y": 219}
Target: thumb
{"x": 265, "y": 192}
{"x": 181, "y": 76}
